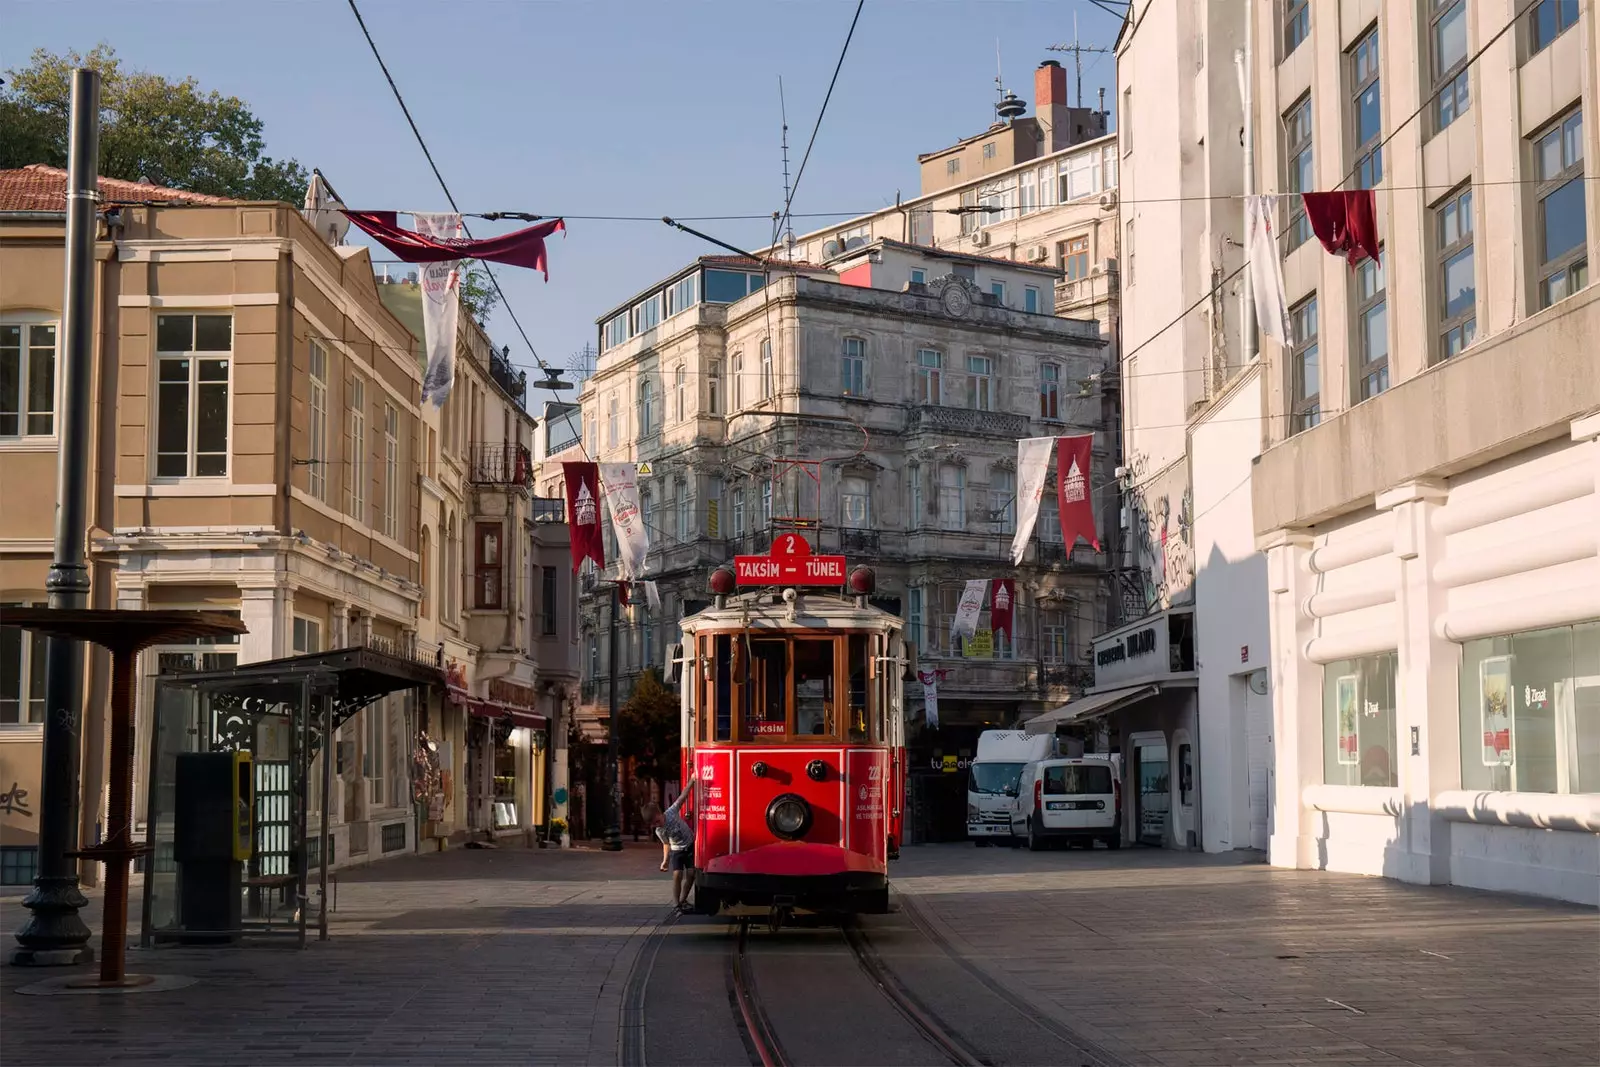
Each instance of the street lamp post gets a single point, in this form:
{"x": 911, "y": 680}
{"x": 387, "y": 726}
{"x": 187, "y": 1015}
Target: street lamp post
{"x": 613, "y": 836}
{"x": 54, "y": 935}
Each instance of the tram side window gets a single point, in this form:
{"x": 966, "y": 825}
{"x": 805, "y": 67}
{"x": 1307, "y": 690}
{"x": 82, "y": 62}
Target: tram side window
{"x": 723, "y": 659}
{"x": 859, "y": 674}
{"x": 766, "y": 674}
{"x": 813, "y": 688}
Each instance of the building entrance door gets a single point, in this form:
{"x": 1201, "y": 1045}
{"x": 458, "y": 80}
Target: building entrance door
{"x": 1153, "y": 769}
{"x": 1258, "y": 731}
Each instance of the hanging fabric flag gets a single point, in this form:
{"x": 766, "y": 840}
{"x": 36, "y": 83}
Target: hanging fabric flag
{"x": 625, "y": 594}
{"x": 965, "y": 623}
{"x": 1266, "y": 269}
{"x": 324, "y": 211}
{"x": 1346, "y": 223}
{"x": 627, "y": 522}
{"x": 520, "y": 248}
{"x": 1000, "y": 606}
{"x": 1075, "y": 504}
{"x": 583, "y": 513}
{"x": 930, "y": 696}
{"x": 1033, "y": 463}
{"x": 652, "y": 595}
{"x": 441, "y": 308}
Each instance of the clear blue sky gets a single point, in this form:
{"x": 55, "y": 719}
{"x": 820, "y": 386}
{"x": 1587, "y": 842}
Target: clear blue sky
{"x": 647, "y": 107}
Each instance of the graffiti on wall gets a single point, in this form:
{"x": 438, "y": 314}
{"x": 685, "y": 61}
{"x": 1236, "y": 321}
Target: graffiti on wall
{"x": 1161, "y": 527}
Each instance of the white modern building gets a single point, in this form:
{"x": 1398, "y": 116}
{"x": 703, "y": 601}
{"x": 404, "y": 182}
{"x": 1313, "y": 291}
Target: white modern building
{"x": 1428, "y": 500}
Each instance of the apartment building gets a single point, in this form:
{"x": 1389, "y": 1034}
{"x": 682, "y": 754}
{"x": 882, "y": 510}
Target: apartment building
{"x": 256, "y": 427}
{"x": 1427, "y": 502}
{"x": 882, "y": 400}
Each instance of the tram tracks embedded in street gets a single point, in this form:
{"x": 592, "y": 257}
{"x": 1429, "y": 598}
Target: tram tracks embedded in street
{"x": 754, "y": 1026}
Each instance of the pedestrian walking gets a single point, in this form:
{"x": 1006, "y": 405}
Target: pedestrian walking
{"x": 677, "y": 834}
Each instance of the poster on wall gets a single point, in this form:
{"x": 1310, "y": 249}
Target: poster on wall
{"x": 1495, "y": 697}
{"x": 1347, "y": 701}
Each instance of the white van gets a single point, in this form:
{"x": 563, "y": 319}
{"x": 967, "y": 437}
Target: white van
{"x": 1075, "y": 800}
{"x": 992, "y": 780}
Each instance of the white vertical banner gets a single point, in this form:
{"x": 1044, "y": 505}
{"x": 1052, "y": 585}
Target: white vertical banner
{"x": 621, "y": 484}
{"x": 930, "y": 696}
{"x": 441, "y": 308}
{"x": 652, "y": 595}
{"x": 1266, "y": 268}
{"x": 973, "y": 601}
{"x": 1033, "y": 464}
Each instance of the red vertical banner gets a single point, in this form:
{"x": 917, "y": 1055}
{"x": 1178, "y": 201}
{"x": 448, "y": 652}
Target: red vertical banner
{"x": 1002, "y": 603}
{"x": 1072, "y": 490}
{"x": 583, "y": 513}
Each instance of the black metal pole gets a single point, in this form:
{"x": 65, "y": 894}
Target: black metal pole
{"x": 54, "y": 935}
{"x": 613, "y": 837}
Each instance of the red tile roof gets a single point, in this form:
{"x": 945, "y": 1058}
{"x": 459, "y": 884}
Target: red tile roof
{"x": 37, "y": 187}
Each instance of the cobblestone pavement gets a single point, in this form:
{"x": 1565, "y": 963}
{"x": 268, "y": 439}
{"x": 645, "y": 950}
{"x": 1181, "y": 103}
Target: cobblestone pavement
{"x": 522, "y": 956}
{"x": 1174, "y": 958}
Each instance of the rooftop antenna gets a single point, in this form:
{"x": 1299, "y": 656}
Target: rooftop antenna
{"x": 783, "y": 113}
{"x": 1077, "y": 51}
{"x": 1008, "y": 107}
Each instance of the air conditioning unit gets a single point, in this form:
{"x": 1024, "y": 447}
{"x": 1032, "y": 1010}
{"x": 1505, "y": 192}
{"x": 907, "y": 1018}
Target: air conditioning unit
{"x": 1038, "y": 254}
{"x": 981, "y": 239}
{"x": 1108, "y": 200}
{"x": 831, "y": 249}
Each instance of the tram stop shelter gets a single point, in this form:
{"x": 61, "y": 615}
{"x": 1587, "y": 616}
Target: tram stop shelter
{"x": 282, "y": 713}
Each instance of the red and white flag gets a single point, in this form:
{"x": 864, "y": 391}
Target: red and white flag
{"x": 965, "y": 623}
{"x": 1073, "y": 496}
{"x": 520, "y": 248}
{"x": 583, "y": 513}
{"x": 621, "y": 482}
{"x": 1033, "y": 464}
{"x": 1002, "y": 602}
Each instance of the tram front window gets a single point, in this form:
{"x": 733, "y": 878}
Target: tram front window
{"x": 765, "y": 710}
{"x": 813, "y": 687}
{"x": 858, "y": 687}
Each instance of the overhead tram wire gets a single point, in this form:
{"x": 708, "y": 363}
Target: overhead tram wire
{"x": 801, "y": 173}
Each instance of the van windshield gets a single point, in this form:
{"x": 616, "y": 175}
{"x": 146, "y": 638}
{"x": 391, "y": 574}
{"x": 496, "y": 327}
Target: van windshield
{"x": 1076, "y": 779}
{"x": 994, "y": 778}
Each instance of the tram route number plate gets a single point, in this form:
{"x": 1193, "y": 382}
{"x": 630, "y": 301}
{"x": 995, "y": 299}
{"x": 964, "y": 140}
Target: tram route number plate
{"x": 791, "y": 563}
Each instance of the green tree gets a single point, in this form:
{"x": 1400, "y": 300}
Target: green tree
{"x": 648, "y": 731}
{"x": 478, "y": 294}
{"x": 152, "y": 129}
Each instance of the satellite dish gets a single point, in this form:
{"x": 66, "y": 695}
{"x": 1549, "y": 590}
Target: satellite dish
{"x": 831, "y": 249}
{"x": 855, "y": 242}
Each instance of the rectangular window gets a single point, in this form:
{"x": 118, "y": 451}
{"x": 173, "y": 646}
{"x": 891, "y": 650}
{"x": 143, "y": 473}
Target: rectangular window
{"x": 766, "y": 504}
{"x": 1127, "y": 255}
{"x": 193, "y": 356}
{"x": 614, "y": 332}
{"x": 1358, "y": 721}
{"x": 27, "y": 379}
{"x": 1082, "y": 172}
{"x": 1030, "y": 300}
{"x": 914, "y": 618}
{"x": 980, "y": 383}
{"x": 680, "y": 393}
{"x": 998, "y": 290}
{"x": 1074, "y": 256}
{"x": 917, "y": 515}
{"x": 488, "y": 566}
{"x": 1452, "y": 95}
{"x": 1003, "y": 500}
{"x": 953, "y": 165}
{"x": 393, "y": 491}
{"x": 929, "y": 364}
{"x": 1372, "y": 330}
{"x": 714, "y": 387}
{"x": 1299, "y": 175}
{"x": 1125, "y": 122}
{"x": 358, "y": 450}
{"x": 685, "y": 513}
{"x": 919, "y": 277}
{"x": 1548, "y": 20}
{"x": 952, "y": 497}
{"x": 988, "y": 150}
{"x": 738, "y": 513}
{"x": 1304, "y": 379}
{"x": 1050, "y": 391}
{"x": 376, "y": 715}
{"x": 21, "y": 673}
{"x": 1563, "y": 217}
{"x": 1056, "y": 637}
{"x": 1296, "y": 24}
{"x": 613, "y": 421}
{"x": 853, "y": 369}
{"x": 766, "y": 369}
{"x": 647, "y": 314}
{"x": 970, "y": 221}
{"x": 1366, "y": 110}
{"x": 726, "y": 286}
{"x": 855, "y": 503}
{"x": 1458, "y": 285}
{"x": 547, "y": 600}
{"x": 683, "y": 295}
{"x": 307, "y": 636}
{"x": 713, "y": 507}
{"x": 1028, "y": 193}
{"x": 317, "y": 462}
{"x": 1530, "y": 711}
{"x": 965, "y": 270}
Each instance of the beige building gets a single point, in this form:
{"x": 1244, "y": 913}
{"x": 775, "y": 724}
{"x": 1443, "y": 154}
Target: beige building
{"x": 255, "y": 413}
{"x": 1427, "y": 502}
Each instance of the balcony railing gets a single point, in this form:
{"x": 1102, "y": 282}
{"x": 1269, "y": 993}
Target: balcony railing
{"x": 968, "y": 420}
{"x": 508, "y": 378}
{"x": 503, "y": 464}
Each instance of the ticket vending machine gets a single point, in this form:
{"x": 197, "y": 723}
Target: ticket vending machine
{"x": 213, "y": 836}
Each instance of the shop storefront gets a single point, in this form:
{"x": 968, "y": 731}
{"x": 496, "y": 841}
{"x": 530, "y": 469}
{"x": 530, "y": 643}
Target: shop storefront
{"x": 515, "y": 740}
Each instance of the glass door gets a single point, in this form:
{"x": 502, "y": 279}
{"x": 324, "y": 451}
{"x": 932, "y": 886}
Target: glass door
{"x": 1155, "y": 794}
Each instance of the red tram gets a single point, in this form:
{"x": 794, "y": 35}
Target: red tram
{"x": 791, "y": 718}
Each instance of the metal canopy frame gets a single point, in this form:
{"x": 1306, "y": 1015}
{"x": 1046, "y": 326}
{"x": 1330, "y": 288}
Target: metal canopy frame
{"x": 227, "y": 710}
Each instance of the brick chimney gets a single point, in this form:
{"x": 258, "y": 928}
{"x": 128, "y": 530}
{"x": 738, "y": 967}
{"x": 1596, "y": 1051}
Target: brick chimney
{"x": 1050, "y": 105}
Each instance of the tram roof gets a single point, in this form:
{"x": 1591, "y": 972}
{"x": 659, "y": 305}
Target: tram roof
{"x": 766, "y": 609}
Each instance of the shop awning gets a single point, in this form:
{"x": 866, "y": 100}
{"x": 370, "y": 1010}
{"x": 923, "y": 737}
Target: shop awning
{"x": 1089, "y": 707}
{"x": 489, "y": 709}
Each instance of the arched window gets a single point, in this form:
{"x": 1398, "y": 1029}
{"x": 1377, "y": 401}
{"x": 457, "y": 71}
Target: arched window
{"x": 647, "y": 398}
{"x": 680, "y": 389}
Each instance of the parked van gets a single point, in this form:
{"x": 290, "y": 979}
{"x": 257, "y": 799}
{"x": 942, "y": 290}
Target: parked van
{"x": 992, "y": 780}
{"x": 1073, "y": 800}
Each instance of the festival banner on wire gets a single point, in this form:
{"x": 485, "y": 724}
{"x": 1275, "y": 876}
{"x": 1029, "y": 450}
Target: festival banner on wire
{"x": 1002, "y": 600}
{"x": 621, "y": 484}
{"x": 583, "y": 513}
{"x": 930, "y": 695}
{"x": 1033, "y": 464}
{"x": 441, "y": 308}
{"x": 520, "y": 248}
{"x": 965, "y": 623}
{"x": 1073, "y": 498}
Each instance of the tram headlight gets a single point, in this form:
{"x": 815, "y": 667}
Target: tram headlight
{"x": 789, "y": 817}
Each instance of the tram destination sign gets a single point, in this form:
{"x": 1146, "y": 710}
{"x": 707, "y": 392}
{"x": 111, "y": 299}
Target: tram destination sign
{"x": 790, "y": 563}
